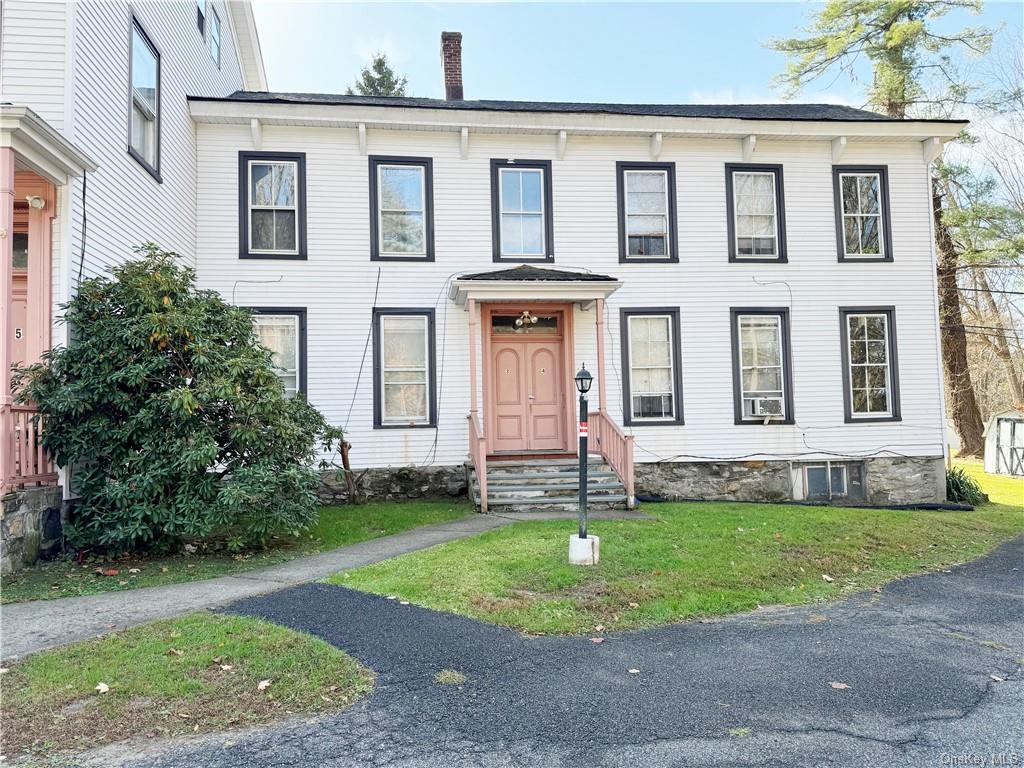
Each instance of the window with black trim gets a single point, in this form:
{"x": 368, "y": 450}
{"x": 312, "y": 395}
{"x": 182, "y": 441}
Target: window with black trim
{"x": 404, "y": 388}
{"x": 201, "y": 16}
{"x": 652, "y": 381}
{"x": 144, "y": 76}
{"x": 521, "y": 210}
{"x": 870, "y": 370}
{"x": 272, "y": 205}
{"x": 756, "y": 212}
{"x": 761, "y": 366}
{"x": 863, "y": 231}
{"x": 401, "y": 209}
{"x": 282, "y": 330}
{"x": 832, "y": 480}
{"x": 213, "y": 36}
{"x": 647, "y": 212}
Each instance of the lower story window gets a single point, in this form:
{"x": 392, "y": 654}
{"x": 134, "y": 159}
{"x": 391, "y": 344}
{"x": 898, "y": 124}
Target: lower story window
{"x": 831, "y": 479}
{"x": 761, "y": 355}
{"x": 404, "y": 368}
{"x": 651, "y": 359}
{"x": 283, "y": 332}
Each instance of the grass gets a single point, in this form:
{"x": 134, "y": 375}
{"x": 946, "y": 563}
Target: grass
{"x": 336, "y": 527}
{"x": 693, "y": 560}
{"x": 198, "y": 673}
{"x": 1001, "y": 489}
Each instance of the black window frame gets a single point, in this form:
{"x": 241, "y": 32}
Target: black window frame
{"x": 549, "y": 228}
{"x": 672, "y": 236}
{"x": 427, "y": 163}
{"x": 299, "y": 312}
{"x": 201, "y": 6}
{"x": 244, "y": 158}
{"x": 885, "y": 231}
{"x": 207, "y": 36}
{"x": 895, "y": 410}
{"x": 782, "y": 257}
{"x": 787, "y": 365}
{"x": 378, "y": 368}
{"x": 625, "y": 313}
{"x": 152, "y": 169}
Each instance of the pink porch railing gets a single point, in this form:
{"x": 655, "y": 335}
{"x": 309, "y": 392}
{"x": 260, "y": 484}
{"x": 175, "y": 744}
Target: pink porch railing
{"x": 478, "y": 454}
{"x": 606, "y": 439}
{"x": 25, "y": 461}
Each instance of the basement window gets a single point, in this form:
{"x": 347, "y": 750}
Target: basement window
{"x": 831, "y": 480}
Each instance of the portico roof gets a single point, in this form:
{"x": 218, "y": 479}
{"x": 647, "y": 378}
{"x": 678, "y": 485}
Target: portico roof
{"x": 39, "y": 147}
{"x": 529, "y": 282}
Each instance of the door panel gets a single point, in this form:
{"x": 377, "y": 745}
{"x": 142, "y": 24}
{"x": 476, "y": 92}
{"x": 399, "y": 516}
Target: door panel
{"x": 546, "y": 401}
{"x": 509, "y": 406}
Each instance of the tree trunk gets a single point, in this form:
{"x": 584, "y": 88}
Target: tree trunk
{"x": 963, "y": 405}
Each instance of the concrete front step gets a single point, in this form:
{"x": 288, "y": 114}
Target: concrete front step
{"x": 548, "y": 484}
{"x": 545, "y": 477}
{"x": 558, "y": 502}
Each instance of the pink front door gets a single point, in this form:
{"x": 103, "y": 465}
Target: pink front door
{"x": 528, "y": 402}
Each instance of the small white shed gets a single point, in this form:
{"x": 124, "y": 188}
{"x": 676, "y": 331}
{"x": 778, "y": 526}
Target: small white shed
{"x": 1004, "y": 444}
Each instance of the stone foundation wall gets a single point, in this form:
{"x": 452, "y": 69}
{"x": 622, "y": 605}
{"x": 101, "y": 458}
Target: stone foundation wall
{"x": 398, "y": 484}
{"x": 30, "y": 526}
{"x": 887, "y": 480}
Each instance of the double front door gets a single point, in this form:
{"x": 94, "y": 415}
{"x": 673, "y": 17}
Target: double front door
{"x": 527, "y": 398}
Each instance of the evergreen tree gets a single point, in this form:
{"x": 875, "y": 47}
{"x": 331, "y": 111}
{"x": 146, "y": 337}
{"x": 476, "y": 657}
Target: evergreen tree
{"x": 378, "y": 79}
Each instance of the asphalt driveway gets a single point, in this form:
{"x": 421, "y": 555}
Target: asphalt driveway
{"x": 932, "y": 665}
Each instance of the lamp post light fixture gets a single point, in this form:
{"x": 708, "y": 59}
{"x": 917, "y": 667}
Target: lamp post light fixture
{"x": 583, "y": 550}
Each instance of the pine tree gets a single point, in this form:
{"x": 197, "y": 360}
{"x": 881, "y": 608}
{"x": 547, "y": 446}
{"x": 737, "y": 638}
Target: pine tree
{"x": 378, "y": 79}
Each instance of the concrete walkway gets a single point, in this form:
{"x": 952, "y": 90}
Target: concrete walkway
{"x": 34, "y": 626}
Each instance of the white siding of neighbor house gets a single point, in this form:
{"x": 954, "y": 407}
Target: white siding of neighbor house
{"x": 337, "y": 282}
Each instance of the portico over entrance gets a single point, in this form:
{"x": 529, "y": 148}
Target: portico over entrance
{"x": 522, "y": 359}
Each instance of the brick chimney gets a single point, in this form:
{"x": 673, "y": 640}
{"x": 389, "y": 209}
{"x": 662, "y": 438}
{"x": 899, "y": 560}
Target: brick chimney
{"x": 451, "y": 65}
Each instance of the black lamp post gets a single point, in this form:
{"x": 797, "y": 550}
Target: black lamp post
{"x": 583, "y": 382}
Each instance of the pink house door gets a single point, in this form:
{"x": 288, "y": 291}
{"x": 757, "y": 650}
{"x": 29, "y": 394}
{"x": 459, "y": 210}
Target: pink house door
{"x": 528, "y": 403}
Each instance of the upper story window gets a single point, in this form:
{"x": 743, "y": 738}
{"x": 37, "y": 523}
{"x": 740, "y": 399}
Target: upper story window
{"x": 272, "y": 203}
{"x": 757, "y": 219}
{"x": 401, "y": 209}
{"x": 652, "y": 391}
{"x": 647, "y": 212}
{"x": 869, "y": 364}
{"x": 283, "y": 332}
{"x": 403, "y": 371}
{"x": 201, "y": 16}
{"x": 862, "y": 212}
{"x": 521, "y": 210}
{"x": 213, "y": 36}
{"x": 762, "y": 373}
{"x": 144, "y": 74}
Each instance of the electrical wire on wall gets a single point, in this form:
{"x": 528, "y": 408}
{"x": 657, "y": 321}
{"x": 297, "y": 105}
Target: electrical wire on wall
{"x": 85, "y": 221}
{"x": 255, "y": 282}
{"x": 362, "y": 360}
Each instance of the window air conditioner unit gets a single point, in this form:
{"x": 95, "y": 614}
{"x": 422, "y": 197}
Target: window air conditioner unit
{"x": 768, "y": 407}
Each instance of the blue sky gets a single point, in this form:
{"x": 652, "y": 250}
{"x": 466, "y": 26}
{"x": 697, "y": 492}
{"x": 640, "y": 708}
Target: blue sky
{"x": 614, "y": 52}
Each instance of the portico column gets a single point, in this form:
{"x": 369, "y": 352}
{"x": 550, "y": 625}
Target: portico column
{"x": 6, "y": 311}
{"x": 471, "y": 307}
{"x": 40, "y": 228}
{"x": 601, "y": 390}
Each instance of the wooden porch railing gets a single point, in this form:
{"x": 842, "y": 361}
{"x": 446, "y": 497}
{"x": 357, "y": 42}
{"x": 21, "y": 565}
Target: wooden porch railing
{"x": 25, "y": 461}
{"x": 606, "y": 439}
{"x": 478, "y": 455}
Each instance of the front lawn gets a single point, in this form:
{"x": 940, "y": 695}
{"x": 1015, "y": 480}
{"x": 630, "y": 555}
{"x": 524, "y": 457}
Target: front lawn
{"x": 694, "y": 559}
{"x": 337, "y": 527}
{"x": 195, "y": 674}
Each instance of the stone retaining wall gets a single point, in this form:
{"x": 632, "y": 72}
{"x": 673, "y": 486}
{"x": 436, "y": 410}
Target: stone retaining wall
{"x": 397, "y": 484}
{"x": 30, "y": 526}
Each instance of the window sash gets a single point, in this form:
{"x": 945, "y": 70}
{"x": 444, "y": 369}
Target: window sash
{"x": 214, "y": 36}
{"x": 834, "y": 478}
{"x": 858, "y": 217}
{"x": 382, "y": 209}
{"x": 747, "y": 324}
{"x": 752, "y": 237}
{"x": 661, "y": 233}
{"x": 866, "y": 410}
{"x": 635, "y": 393}
{"x": 268, "y": 207}
{"x": 287, "y": 370}
{"x": 522, "y": 214}
{"x": 145, "y": 109}
{"x": 407, "y": 375}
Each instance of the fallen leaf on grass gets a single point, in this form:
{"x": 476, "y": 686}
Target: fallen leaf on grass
{"x": 134, "y": 570}
{"x": 226, "y": 667}
{"x": 996, "y": 678}
{"x": 4, "y": 670}
{"x": 634, "y": 605}
{"x": 599, "y": 628}
{"x": 264, "y": 684}
{"x": 839, "y": 686}
{"x": 634, "y": 671}
{"x": 597, "y": 639}
{"x": 175, "y": 652}
{"x": 403, "y": 602}
{"x": 107, "y": 571}
{"x": 827, "y": 578}
{"x": 102, "y": 687}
